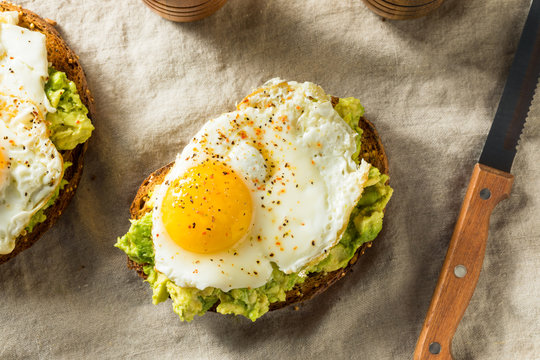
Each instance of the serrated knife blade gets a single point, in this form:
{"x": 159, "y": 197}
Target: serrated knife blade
{"x": 500, "y": 147}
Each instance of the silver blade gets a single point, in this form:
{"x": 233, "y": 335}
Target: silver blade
{"x": 500, "y": 147}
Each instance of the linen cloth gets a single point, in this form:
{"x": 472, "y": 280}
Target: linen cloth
{"x": 431, "y": 86}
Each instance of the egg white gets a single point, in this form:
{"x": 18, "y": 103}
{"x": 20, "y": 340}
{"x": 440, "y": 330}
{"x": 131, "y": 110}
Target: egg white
{"x": 33, "y": 171}
{"x": 295, "y": 154}
{"x": 32, "y": 168}
{"x": 23, "y": 62}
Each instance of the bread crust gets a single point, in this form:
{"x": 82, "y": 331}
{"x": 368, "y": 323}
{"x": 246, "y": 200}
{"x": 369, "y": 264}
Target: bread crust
{"x": 62, "y": 59}
{"x": 372, "y": 151}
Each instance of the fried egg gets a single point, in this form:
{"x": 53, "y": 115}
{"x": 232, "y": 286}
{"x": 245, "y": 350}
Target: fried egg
{"x": 31, "y": 168}
{"x": 270, "y": 184}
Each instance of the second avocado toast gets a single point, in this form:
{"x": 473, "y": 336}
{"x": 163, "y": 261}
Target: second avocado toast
{"x": 70, "y": 126}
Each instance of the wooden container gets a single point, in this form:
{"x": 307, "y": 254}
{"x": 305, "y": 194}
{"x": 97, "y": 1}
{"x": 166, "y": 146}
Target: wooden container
{"x": 402, "y": 9}
{"x": 184, "y": 10}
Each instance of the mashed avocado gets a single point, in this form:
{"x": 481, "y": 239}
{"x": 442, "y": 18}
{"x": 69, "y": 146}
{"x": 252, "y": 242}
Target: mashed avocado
{"x": 364, "y": 225}
{"x": 69, "y": 126}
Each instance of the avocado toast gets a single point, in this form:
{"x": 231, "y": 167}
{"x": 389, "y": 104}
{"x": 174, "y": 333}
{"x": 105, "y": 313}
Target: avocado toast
{"x": 68, "y": 91}
{"x": 283, "y": 288}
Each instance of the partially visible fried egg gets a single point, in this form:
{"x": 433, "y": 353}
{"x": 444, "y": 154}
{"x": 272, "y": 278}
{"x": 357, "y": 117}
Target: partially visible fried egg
{"x": 273, "y": 182}
{"x": 23, "y": 61}
{"x": 31, "y": 168}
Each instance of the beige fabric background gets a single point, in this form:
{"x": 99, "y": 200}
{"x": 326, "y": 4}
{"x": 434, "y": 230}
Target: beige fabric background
{"x": 431, "y": 86}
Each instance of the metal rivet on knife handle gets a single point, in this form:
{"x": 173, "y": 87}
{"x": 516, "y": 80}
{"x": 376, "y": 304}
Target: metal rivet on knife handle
{"x": 435, "y": 348}
{"x": 460, "y": 271}
{"x": 485, "y": 194}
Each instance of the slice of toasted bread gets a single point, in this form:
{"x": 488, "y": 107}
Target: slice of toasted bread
{"x": 62, "y": 59}
{"x": 372, "y": 151}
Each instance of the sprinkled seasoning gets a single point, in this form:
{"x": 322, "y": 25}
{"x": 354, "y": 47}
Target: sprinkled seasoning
{"x": 262, "y": 143}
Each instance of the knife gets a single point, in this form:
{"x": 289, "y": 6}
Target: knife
{"x": 490, "y": 183}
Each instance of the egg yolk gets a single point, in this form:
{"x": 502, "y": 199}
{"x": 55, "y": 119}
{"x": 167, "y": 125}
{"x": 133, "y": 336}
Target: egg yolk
{"x": 208, "y": 209}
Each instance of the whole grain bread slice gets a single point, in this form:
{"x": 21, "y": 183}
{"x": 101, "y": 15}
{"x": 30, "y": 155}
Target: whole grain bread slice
{"x": 62, "y": 59}
{"x": 372, "y": 151}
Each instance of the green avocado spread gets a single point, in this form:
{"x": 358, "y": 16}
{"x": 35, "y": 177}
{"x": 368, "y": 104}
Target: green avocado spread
{"x": 69, "y": 126}
{"x": 364, "y": 226}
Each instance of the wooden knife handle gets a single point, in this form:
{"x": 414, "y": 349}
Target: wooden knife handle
{"x": 463, "y": 262}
